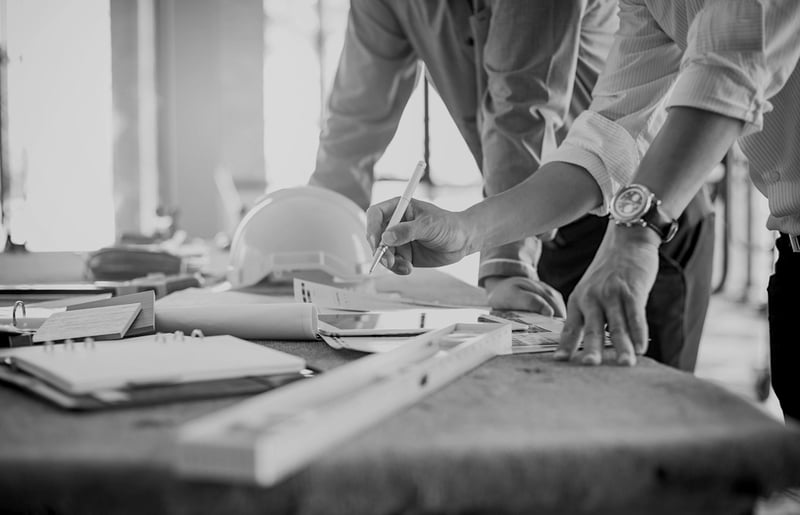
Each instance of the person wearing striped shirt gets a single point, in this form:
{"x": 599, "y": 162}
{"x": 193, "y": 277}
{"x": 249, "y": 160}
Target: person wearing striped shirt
{"x": 514, "y": 75}
{"x": 684, "y": 81}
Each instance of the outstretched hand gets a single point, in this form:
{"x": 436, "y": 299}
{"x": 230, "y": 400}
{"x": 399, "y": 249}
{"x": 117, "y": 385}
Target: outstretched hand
{"x": 427, "y": 237}
{"x": 613, "y": 293}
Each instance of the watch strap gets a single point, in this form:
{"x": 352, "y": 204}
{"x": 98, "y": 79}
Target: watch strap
{"x": 657, "y": 220}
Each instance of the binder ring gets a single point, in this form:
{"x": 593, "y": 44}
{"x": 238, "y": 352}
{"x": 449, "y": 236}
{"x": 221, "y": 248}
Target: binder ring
{"x": 17, "y": 305}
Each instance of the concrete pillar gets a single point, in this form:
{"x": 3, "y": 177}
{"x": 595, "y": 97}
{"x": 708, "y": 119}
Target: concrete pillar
{"x": 210, "y": 66}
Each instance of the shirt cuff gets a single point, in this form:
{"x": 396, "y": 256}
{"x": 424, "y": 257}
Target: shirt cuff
{"x": 604, "y": 149}
{"x": 721, "y": 90}
{"x": 505, "y": 267}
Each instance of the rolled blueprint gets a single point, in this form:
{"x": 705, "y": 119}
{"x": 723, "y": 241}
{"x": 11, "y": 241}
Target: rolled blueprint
{"x": 293, "y": 321}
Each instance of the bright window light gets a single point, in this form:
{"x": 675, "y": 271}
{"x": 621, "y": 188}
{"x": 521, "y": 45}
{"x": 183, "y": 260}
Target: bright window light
{"x": 60, "y": 123}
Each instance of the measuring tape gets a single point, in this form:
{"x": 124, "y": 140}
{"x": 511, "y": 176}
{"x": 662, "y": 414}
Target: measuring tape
{"x": 270, "y": 436}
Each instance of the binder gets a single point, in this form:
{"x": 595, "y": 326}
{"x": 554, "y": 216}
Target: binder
{"x": 137, "y": 369}
{"x": 88, "y": 366}
{"x": 27, "y": 319}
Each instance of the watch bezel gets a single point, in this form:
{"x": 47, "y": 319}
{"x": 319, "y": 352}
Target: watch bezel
{"x": 634, "y": 218}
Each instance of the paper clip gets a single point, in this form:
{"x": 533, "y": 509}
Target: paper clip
{"x": 18, "y": 305}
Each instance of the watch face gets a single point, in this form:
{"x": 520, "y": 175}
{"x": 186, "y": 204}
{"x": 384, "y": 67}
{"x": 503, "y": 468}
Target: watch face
{"x": 630, "y": 203}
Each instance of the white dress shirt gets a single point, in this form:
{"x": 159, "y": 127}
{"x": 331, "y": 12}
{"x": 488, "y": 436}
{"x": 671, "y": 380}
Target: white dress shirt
{"x": 732, "y": 57}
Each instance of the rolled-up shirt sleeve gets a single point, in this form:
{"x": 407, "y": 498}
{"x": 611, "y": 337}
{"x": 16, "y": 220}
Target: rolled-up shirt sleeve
{"x": 736, "y": 55}
{"x": 376, "y": 75}
{"x": 739, "y": 53}
{"x": 610, "y": 138}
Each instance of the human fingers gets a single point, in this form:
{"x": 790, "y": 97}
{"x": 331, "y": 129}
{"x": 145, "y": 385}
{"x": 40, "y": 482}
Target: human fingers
{"x": 408, "y": 232}
{"x": 397, "y": 261}
{"x": 618, "y": 328}
{"x": 552, "y": 296}
{"x": 402, "y": 265}
{"x": 593, "y": 334}
{"x": 378, "y": 215}
{"x": 521, "y": 293}
{"x": 401, "y": 259}
{"x": 572, "y": 332}
{"x": 636, "y": 322}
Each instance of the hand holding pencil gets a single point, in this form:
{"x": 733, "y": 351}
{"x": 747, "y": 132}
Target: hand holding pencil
{"x": 400, "y": 209}
{"x": 427, "y": 237}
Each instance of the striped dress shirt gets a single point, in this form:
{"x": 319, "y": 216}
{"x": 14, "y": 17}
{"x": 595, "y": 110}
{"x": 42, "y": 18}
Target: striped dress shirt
{"x": 733, "y": 57}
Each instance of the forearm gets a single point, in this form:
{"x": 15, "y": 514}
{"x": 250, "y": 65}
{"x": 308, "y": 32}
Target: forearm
{"x": 557, "y": 194}
{"x": 691, "y": 142}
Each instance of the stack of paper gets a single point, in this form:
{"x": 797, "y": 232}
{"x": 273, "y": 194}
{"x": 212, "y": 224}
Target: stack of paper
{"x": 379, "y": 323}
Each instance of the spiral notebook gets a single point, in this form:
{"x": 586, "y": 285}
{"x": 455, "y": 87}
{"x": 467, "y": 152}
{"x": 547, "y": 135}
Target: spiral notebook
{"x": 89, "y": 367}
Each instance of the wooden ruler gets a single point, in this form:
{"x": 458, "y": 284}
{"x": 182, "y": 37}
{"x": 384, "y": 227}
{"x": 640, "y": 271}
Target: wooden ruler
{"x": 270, "y": 436}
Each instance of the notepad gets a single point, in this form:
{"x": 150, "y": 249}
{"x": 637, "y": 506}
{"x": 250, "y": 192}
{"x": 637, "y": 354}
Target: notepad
{"x": 144, "y": 323}
{"x": 81, "y": 368}
{"x": 108, "y": 322}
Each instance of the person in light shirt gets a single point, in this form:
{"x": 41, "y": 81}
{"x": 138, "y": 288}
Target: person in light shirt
{"x": 514, "y": 75}
{"x": 685, "y": 80}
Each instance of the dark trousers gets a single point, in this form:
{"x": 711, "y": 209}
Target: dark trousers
{"x": 784, "y": 338}
{"x": 676, "y": 308}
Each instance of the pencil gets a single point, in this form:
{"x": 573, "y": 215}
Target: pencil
{"x": 400, "y": 210}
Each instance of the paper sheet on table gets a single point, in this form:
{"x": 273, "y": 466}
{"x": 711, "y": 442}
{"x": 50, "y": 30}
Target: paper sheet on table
{"x": 521, "y": 343}
{"x": 543, "y": 340}
{"x": 372, "y": 344}
{"x": 324, "y": 296}
{"x": 542, "y": 334}
{"x": 532, "y": 322}
{"x": 534, "y": 343}
{"x": 430, "y": 285}
{"x": 249, "y": 321}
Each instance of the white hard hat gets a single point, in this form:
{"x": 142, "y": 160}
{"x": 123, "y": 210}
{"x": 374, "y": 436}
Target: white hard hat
{"x": 301, "y": 228}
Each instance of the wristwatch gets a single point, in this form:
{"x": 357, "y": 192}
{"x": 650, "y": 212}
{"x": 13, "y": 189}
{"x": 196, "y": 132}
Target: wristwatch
{"x": 636, "y": 205}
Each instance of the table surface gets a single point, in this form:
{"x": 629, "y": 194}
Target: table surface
{"x": 520, "y": 434}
